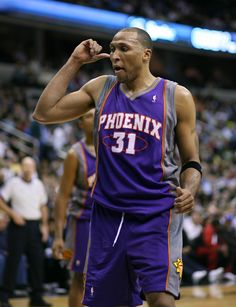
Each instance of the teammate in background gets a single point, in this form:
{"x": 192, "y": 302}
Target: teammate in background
{"x": 139, "y": 199}
{"x": 75, "y": 189}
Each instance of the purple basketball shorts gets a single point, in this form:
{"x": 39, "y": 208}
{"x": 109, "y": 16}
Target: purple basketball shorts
{"x": 77, "y": 235}
{"x": 129, "y": 253}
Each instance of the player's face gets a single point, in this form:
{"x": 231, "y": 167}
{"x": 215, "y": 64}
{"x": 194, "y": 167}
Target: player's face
{"x": 127, "y": 56}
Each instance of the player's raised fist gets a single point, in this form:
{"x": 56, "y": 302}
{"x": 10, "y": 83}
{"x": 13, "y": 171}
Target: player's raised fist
{"x": 88, "y": 51}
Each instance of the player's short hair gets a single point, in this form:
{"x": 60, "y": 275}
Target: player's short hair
{"x": 143, "y": 37}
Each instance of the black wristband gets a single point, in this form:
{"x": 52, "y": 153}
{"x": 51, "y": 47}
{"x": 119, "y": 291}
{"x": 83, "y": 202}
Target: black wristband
{"x": 192, "y": 164}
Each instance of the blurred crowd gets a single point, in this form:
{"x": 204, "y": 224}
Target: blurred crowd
{"x": 195, "y": 12}
{"x": 210, "y": 231}
{"x": 215, "y": 243}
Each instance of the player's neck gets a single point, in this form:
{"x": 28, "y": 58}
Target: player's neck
{"x": 89, "y": 139}
{"x": 140, "y": 84}
{"x": 89, "y": 143}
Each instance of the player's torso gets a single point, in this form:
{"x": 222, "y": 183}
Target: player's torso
{"x": 81, "y": 202}
{"x": 131, "y": 150}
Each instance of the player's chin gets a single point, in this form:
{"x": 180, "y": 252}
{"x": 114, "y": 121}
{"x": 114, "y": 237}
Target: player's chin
{"x": 120, "y": 76}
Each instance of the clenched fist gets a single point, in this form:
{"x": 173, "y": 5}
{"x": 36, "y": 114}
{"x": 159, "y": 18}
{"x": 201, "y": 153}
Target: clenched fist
{"x": 88, "y": 51}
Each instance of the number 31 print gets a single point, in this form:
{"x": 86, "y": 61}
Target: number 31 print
{"x": 120, "y": 138}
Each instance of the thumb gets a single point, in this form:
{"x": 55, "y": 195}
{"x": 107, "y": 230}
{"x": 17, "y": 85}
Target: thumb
{"x": 101, "y": 56}
{"x": 179, "y": 191}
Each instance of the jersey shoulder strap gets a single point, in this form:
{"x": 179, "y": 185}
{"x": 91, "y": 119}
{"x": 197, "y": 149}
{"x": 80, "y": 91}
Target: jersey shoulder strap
{"x": 111, "y": 80}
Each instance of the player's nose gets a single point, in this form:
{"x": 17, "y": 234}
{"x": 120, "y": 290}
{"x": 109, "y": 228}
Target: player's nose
{"x": 115, "y": 55}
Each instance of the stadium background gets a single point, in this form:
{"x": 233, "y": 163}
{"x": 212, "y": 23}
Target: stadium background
{"x": 33, "y": 47}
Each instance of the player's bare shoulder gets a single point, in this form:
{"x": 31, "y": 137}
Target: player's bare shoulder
{"x": 71, "y": 154}
{"x": 95, "y": 86}
{"x": 184, "y": 102}
{"x": 71, "y": 163}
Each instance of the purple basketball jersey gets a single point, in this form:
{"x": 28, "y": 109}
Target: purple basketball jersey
{"x": 81, "y": 201}
{"x": 136, "y": 170}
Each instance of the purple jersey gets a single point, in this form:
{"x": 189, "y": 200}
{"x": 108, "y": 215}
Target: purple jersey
{"x": 136, "y": 167}
{"x": 81, "y": 201}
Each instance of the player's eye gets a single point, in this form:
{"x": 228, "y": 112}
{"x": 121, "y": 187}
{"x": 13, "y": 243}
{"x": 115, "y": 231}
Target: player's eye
{"x": 123, "y": 48}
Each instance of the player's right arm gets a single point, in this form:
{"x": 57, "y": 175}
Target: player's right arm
{"x": 187, "y": 141}
{"x": 55, "y": 105}
{"x": 62, "y": 199}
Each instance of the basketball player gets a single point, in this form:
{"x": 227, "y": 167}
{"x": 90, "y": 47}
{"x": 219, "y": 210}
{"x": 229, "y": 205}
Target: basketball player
{"x": 75, "y": 188}
{"x": 139, "y": 201}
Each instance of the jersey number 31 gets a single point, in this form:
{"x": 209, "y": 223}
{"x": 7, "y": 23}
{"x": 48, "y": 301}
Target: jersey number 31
{"x": 120, "y": 138}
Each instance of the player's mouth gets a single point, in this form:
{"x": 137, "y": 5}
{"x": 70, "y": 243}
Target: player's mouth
{"x": 117, "y": 68}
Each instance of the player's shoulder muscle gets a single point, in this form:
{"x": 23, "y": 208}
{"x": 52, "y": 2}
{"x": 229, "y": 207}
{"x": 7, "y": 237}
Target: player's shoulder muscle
{"x": 184, "y": 102}
{"x": 94, "y": 87}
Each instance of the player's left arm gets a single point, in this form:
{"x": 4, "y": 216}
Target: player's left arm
{"x": 187, "y": 141}
{"x": 71, "y": 165}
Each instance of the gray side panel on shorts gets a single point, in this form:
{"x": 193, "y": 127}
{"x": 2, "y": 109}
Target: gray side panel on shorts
{"x": 175, "y": 253}
{"x": 107, "y": 86}
{"x": 70, "y": 234}
{"x": 171, "y": 174}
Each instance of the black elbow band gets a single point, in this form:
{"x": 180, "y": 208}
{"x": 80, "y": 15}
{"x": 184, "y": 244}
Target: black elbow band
{"x": 192, "y": 164}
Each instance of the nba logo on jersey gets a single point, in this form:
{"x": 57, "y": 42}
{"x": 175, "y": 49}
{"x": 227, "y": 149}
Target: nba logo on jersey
{"x": 154, "y": 98}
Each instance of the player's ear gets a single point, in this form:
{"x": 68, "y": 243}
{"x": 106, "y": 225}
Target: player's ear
{"x": 147, "y": 55}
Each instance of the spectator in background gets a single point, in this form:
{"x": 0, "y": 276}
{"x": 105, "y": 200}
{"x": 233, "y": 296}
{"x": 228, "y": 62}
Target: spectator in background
{"x": 193, "y": 225}
{"x": 27, "y": 229}
{"x": 3, "y": 241}
{"x": 57, "y": 276}
{"x": 227, "y": 233}
{"x": 21, "y": 274}
{"x": 3, "y": 227}
{"x": 214, "y": 250}
{"x": 195, "y": 273}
